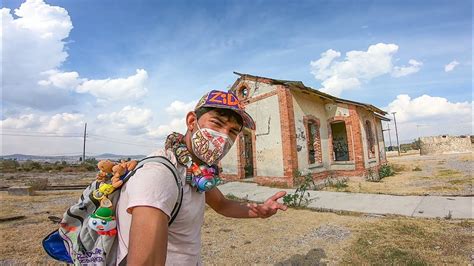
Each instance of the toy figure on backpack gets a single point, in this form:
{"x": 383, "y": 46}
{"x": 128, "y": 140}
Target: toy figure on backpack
{"x": 114, "y": 172}
{"x": 110, "y": 177}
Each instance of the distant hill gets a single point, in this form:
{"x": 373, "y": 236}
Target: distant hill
{"x": 69, "y": 158}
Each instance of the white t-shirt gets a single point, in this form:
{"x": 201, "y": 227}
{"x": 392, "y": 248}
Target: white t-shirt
{"x": 154, "y": 185}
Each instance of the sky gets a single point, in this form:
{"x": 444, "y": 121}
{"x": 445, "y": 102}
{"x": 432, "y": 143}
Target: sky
{"x": 132, "y": 70}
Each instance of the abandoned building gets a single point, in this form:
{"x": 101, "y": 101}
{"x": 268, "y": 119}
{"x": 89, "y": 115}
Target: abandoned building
{"x": 302, "y": 129}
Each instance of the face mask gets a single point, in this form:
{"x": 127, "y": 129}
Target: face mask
{"x": 210, "y": 146}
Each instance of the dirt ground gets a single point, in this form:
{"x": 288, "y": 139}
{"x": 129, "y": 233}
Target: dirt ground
{"x": 294, "y": 237}
{"x": 448, "y": 174}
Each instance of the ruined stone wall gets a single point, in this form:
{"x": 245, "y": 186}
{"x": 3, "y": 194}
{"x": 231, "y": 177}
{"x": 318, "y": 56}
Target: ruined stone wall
{"x": 444, "y": 144}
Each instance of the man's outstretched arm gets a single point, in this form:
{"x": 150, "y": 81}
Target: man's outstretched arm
{"x": 234, "y": 209}
{"x": 148, "y": 237}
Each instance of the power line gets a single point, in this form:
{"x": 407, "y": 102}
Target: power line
{"x": 121, "y": 142}
{"x": 22, "y": 131}
{"x": 102, "y": 136}
{"x": 39, "y": 136}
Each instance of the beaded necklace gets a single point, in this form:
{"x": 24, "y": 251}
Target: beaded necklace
{"x": 202, "y": 177}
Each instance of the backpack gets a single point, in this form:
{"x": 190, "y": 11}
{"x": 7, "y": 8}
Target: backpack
{"x": 77, "y": 243}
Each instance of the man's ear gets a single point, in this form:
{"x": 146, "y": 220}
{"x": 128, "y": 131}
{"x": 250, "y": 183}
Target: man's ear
{"x": 191, "y": 120}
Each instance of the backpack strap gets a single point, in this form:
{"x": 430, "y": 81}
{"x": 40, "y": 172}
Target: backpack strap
{"x": 168, "y": 164}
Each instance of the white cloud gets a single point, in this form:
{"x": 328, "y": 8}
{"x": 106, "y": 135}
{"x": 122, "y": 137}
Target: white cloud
{"x": 175, "y": 125}
{"x": 33, "y": 50}
{"x": 133, "y": 120}
{"x": 450, "y": 67}
{"x": 26, "y": 121}
{"x": 32, "y": 43}
{"x": 426, "y": 106}
{"x": 61, "y": 123}
{"x": 414, "y": 66}
{"x": 178, "y": 108}
{"x": 357, "y": 67}
{"x": 430, "y": 116}
{"x": 130, "y": 88}
{"x": 63, "y": 80}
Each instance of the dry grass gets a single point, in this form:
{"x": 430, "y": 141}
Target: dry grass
{"x": 420, "y": 175}
{"x": 292, "y": 238}
{"x": 20, "y": 240}
{"x": 405, "y": 241}
{"x": 296, "y": 237}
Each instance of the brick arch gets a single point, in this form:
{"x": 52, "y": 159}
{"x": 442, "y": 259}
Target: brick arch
{"x": 239, "y": 92}
{"x": 348, "y": 123}
{"x": 318, "y": 156}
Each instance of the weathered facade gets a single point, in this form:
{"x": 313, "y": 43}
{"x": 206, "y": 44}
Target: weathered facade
{"x": 302, "y": 129}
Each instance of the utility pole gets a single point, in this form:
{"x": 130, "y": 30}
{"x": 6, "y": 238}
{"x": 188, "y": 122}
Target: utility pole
{"x": 389, "y": 136}
{"x": 396, "y": 131}
{"x": 84, "y": 147}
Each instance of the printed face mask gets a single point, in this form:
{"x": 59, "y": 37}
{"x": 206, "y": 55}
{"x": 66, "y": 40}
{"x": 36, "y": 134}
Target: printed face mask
{"x": 210, "y": 146}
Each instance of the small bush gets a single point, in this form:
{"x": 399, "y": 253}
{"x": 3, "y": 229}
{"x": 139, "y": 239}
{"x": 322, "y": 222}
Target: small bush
{"x": 30, "y": 165}
{"x": 301, "y": 197}
{"x": 9, "y": 165}
{"x": 37, "y": 183}
{"x": 417, "y": 168}
{"x": 91, "y": 161}
{"x": 90, "y": 167}
{"x": 336, "y": 183}
{"x": 386, "y": 170}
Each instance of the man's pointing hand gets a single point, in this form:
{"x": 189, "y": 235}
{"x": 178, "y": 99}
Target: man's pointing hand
{"x": 269, "y": 207}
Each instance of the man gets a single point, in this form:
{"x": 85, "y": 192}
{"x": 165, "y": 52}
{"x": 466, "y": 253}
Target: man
{"x": 147, "y": 199}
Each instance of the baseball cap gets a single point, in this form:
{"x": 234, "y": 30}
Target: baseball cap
{"x": 226, "y": 100}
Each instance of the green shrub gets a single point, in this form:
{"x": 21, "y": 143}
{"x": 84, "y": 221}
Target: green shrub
{"x": 30, "y": 165}
{"x": 91, "y": 167}
{"x": 337, "y": 183}
{"x": 301, "y": 197}
{"x": 386, "y": 170}
{"x": 91, "y": 161}
{"x": 9, "y": 165}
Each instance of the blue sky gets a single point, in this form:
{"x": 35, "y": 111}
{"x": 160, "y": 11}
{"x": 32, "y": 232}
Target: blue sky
{"x": 188, "y": 47}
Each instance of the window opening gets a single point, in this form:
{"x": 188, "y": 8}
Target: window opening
{"x": 314, "y": 143}
{"x": 339, "y": 141}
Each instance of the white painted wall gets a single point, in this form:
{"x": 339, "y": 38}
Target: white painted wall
{"x": 305, "y": 104}
{"x": 230, "y": 162}
{"x": 269, "y": 151}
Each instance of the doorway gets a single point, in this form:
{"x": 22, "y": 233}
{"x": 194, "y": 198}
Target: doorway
{"x": 339, "y": 141}
{"x": 248, "y": 155}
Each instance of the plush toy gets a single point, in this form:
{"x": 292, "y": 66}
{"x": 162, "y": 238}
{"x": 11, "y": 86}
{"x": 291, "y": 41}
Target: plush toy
{"x": 120, "y": 170}
{"x": 103, "y": 222}
{"x": 105, "y": 170}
